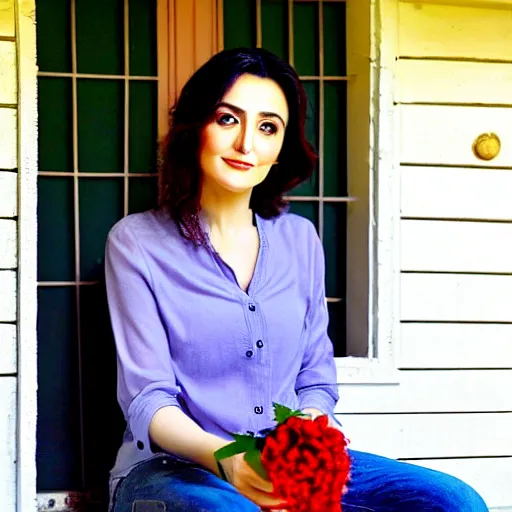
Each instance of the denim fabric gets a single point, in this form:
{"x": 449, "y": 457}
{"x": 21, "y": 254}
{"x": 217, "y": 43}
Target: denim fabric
{"x": 377, "y": 484}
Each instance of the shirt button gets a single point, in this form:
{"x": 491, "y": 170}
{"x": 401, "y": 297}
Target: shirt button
{"x": 252, "y": 307}
{"x": 258, "y": 409}
{"x": 249, "y": 353}
{"x": 259, "y": 343}
{"x": 140, "y": 445}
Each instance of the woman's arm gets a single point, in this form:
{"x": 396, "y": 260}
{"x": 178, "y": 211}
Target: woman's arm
{"x": 173, "y": 431}
{"x": 316, "y": 384}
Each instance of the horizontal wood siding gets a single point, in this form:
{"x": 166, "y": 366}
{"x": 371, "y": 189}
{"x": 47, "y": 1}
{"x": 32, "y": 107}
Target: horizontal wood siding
{"x": 451, "y": 408}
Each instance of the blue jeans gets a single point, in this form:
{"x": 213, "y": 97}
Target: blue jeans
{"x": 377, "y": 483}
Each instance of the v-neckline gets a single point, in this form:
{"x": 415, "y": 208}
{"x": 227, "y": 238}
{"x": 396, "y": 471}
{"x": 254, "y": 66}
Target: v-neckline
{"x": 257, "y": 267}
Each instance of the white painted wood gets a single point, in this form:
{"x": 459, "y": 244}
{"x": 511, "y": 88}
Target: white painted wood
{"x": 8, "y": 444}
{"x": 7, "y": 349}
{"x": 430, "y": 435}
{"x": 7, "y": 296}
{"x": 448, "y": 31}
{"x": 445, "y": 134}
{"x": 8, "y": 243}
{"x": 445, "y": 297}
{"x": 490, "y": 477}
{"x": 27, "y": 284}
{"x": 452, "y": 246}
{"x": 8, "y": 138}
{"x": 8, "y": 85}
{"x": 457, "y": 346}
{"x": 430, "y": 81}
{"x": 8, "y": 198}
{"x": 431, "y": 391}
{"x": 456, "y": 193}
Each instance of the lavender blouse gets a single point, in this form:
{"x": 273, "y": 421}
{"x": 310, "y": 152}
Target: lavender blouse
{"x": 188, "y": 336}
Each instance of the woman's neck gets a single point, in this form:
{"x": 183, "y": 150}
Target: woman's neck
{"x": 226, "y": 213}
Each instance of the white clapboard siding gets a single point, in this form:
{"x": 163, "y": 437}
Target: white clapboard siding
{"x": 7, "y": 349}
{"x": 490, "y": 477}
{"x": 8, "y": 243}
{"x": 8, "y": 194}
{"x": 454, "y": 193}
{"x": 445, "y": 135}
{"x": 7, "y": 444}
{"x": 456, "y": 246}
{"x": 457, "y": 391}
{"x": 455, "y": 298}
{"x": 8, "y": 85}
{"x": 7, "y": 296}
{"x": 8, "y": 140}
{"x": 431, "y": 81}
{"x": 430, "y": 435}
{"x": 432, "y": 345}
{"x": 447, "y": 31}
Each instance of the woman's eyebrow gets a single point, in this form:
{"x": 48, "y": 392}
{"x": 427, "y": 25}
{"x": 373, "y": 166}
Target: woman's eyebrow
{"x": 241, "y": 112}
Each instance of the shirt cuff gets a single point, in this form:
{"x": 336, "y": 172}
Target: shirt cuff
{"x": 317, "y": 399}
{"x": 141, "y": 412}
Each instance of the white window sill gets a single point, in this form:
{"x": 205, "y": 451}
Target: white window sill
{"x": 361, "y": 370}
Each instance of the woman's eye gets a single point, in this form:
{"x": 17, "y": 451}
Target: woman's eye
{"x": 226, "y": 120}
{"x": 268, "y": 128}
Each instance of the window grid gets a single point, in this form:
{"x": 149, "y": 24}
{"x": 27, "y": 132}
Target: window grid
{"x": 321, "y": 78}
{"x": 77, "y": 176}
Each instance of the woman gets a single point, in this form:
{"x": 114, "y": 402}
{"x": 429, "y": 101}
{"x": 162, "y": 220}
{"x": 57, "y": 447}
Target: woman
{"x": 217, "y": 306}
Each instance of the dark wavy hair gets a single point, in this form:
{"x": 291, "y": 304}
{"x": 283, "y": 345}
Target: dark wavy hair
{"x": 180, "y": 174}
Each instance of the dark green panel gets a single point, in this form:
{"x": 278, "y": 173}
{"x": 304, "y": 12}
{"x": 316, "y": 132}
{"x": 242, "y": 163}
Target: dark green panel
{"x": 142, "y": 194}
{"x": 305, "y": 38}
{"x": 310, "y": 187}
{"x": 337, "y": 327}
{"x": 55, "y": 130}
{"x": 55, "y": 225}
{"x": 335, "y": 139}
{"x": 103, "y": 420}
{"x": 274, "y": 27}
{"x": 100, "y": 36}
{"x": 335, "y": 50}
{"x": 101, "y": 205}
{"x": 306, "y": 209}
{"x": 58, "y": 423}
{"x": 100, "y": 125}
{"x": 239, "y": 23}
{"x": 53, "y": 29}
{"x": 142, "y": 36}
{"x": 143, "y": 137}
{"x": 335, "y": 246}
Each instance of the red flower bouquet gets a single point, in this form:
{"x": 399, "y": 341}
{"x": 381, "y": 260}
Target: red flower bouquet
{"x": 306, "y": 460}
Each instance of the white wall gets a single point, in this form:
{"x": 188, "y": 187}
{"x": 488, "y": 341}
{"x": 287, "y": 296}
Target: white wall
{"x": 8, "y": 257}
{"x": 450, "y": 405}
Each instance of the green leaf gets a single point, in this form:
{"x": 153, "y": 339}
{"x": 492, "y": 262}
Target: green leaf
{"x": 253, "y": 458}
{"x": 283, "y": 413}
{"x": 241, "y": 444}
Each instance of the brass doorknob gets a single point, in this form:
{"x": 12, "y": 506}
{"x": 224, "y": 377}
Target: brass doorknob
{"x": 487, "y": 146}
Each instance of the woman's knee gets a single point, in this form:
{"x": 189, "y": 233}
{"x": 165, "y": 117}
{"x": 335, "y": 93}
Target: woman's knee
{"x": 453, "y": 494}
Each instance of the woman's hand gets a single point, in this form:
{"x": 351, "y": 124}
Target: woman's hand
{"x": 249, "y": 483}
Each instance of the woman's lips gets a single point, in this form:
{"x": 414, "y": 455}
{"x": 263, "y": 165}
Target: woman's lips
{"x": 238, "y": 164}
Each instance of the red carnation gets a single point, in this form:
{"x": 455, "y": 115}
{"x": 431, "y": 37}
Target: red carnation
{"x": 308, "y": 464}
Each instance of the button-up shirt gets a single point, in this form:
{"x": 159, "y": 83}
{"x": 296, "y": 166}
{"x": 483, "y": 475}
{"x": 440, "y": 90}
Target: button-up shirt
{"x": 188, "y": 336}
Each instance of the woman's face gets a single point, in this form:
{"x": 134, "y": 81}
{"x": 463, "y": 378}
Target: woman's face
{"x": 242, "y": 141}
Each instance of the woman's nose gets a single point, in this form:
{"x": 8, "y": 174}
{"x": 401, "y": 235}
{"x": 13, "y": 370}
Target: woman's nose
{"x": 245, "y": 140}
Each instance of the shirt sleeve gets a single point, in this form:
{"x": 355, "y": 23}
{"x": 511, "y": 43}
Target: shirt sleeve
{"x": 145, "y": 378}
{"x": 316, "y": 384}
